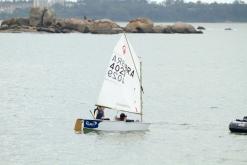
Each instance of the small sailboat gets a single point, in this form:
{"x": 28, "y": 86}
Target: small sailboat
{"x": 121, "y": 91}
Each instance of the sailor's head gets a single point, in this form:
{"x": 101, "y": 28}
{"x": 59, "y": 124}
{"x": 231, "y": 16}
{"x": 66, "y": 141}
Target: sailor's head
{"x": 122, "y": 116}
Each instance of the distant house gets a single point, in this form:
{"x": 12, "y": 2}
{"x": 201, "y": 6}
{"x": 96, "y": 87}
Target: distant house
{"x": 47, "y": 3}
{"x": 10, "y": 6}
{"x": 40, "y": 3}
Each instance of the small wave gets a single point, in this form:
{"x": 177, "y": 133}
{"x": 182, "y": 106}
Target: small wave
{"x": 213, "y": 107}
{"x": 170, "y": 123}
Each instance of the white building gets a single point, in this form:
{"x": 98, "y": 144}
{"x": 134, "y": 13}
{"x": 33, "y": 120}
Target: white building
{"x": 40, "y": 3}
{"x": 61, "y": 2}
{"x": 47, "y": 3}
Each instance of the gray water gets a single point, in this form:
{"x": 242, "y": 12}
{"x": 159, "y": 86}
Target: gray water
{"x": 194, "y": 86}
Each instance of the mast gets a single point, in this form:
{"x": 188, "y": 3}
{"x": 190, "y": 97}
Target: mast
{"x": 132, "y": 58}
{"x": 139, "y": 76}
{"x": 141, "y": 89}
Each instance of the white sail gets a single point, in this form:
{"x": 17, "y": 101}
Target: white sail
{"x": 121, "y": 88}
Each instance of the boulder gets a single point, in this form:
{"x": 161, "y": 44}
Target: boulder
{"x": 65, "y": 31}
{"x": 158, "y": 29}
{"x": 36, "y": 16}
{"x": 140, "y": 25}
{"x": 162, "y": 29}
{"x": 16, "y": 22}
{"x": 167, "y": 29}
{"x": 18, "y": 29}
{"x": 180, "y": 27}
{"x": 47, "y": 29}
{"x": 73, "y": 24}
{"x": 4, "y": 27}
{"x": 105, "y": 26}
{"x": 49, "y": 18}
{"x": 201, "y": 28}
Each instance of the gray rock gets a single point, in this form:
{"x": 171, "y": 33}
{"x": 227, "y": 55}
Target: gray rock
{"x": 49, "y": 18}
{"x": 167, "y": 29}
{"x": 36, "y": 16}
{"x": 180, "y": 27}
{"x": 66, "y": 31}
{"x": 105, "y": 26}
{"x": 73, "y": 24}
{"x": 14, "y": 26}
{"x": 140, "y": 25}
{"x": 4, "y": 27}
{"x": 201, "y": 28}
{"x": 41, "y": 17}
{"x": 162, "y": 29}
{"x": 47, "y": 29}
{"x": 117, "y": 30}
{"x": 22, "y": 21}
{"x": 16, "y": 21}
{"x": 18, "y": 29}
{"x": 158, "y": 29}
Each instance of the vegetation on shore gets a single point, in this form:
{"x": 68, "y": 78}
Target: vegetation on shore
{"x": 166, "y": 11}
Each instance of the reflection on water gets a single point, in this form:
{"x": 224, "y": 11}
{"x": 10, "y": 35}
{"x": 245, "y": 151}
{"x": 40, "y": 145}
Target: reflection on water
{"x": 121, "y": 133}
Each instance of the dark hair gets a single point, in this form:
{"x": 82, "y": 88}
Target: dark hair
{"x": 122, "y": 116}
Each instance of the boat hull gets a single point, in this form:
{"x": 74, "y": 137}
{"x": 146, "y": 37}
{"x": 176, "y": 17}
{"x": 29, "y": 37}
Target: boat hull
{"x": 239, "y": 126}
{"x": 107, "y": 125}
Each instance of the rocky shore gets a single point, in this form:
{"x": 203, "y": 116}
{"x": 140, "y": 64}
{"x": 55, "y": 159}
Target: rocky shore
{"x": 44, "y": 20}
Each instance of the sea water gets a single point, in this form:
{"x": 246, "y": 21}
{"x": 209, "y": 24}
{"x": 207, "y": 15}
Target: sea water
{"x": 194, "y": 85}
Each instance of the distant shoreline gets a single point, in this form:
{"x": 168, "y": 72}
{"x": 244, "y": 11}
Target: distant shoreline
{"x": 121, "y": 24}
{"x": 44, "y": 20}
{"x": 125, "y": 10}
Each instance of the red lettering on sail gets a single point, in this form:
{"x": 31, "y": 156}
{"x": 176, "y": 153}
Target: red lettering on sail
{"x": 124, "y": 49}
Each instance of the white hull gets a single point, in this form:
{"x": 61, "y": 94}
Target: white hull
{"x": 106, "y": 125}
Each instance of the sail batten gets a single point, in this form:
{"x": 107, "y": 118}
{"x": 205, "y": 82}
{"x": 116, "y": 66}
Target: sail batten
{"x": 121, "y": 86}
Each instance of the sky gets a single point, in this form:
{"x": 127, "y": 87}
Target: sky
{"x": 208, "y": 1}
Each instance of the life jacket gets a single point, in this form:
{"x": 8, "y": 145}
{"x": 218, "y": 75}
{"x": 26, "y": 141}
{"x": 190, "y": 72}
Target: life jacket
{"x": 100, "y": 114}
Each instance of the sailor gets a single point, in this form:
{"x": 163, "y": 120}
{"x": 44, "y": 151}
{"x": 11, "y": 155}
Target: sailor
{"x": 99, "y": 112}
{"x": 122, "y": 117}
